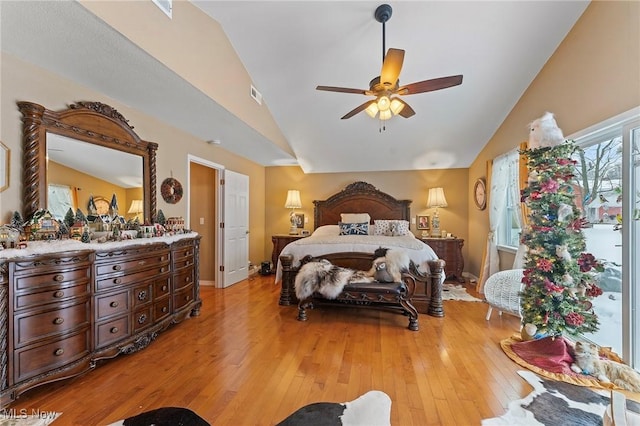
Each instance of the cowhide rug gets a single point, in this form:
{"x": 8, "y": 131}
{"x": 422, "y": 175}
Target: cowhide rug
{"x": 371, "y": 409}
{"x": 555, "y": 403}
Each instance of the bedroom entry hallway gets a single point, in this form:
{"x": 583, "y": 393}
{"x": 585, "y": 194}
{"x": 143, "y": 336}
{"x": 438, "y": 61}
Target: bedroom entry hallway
{"x": 247, "y": 361}
{"x": 203, "y": 189}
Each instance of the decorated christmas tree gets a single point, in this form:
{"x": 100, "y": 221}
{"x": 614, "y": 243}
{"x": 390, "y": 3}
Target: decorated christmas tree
{"x": 559, "y": 280}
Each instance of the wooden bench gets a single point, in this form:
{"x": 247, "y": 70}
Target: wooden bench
{"x": 393, "y": 297}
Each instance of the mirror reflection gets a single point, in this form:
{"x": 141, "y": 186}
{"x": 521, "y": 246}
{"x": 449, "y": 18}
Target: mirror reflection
{"x": 77, "y": 170}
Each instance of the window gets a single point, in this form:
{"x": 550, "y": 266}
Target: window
{"x": 506, "y": 169}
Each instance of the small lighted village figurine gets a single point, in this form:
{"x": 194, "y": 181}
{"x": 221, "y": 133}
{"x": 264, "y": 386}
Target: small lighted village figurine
{"x": 94, "y": 227}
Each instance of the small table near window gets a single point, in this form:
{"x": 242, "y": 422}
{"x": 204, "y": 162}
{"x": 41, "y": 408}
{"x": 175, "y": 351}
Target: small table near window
{"x": 279, "y": 242}
{"x": 449, "y": 250}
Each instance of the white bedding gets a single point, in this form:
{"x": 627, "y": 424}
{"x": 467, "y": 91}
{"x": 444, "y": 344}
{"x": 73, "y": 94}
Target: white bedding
{"x": 318, "y": 244}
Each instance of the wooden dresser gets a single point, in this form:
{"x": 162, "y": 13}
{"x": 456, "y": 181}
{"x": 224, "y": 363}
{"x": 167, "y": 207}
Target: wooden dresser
{"x": 64, "y": 311}
{"x": 449, "y": 250}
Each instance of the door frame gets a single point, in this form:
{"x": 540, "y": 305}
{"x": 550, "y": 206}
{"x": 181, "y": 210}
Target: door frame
{"x": 219, "y": 213}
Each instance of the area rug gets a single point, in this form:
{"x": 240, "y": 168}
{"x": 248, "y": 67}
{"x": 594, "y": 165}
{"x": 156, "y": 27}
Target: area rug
{"x": 371, "y": 409}
{"x": 555, "y": 403}
{"x": 457, "y": 292}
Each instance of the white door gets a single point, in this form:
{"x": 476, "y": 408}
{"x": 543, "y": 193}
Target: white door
{"x": 236, "y": 228}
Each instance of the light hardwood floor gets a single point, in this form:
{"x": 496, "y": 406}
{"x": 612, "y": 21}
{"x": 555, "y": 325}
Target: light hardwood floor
{"x": 247, "y": 361}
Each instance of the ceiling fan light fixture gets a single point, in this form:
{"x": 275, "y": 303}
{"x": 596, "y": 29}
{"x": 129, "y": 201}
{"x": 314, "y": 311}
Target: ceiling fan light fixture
{"x": 385, "y": 115}
{"x": 372, "y": 110}
{"x": 383, "y": 103}
{"x": 396, "y": 106}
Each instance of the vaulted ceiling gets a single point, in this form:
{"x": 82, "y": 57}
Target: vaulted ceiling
{"x": 290, "y": 47}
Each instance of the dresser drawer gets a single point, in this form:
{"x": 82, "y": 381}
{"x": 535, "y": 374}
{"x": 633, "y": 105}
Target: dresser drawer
{"x": 106, "y": 283}
{"x": 54, "y": 295}
{"x": 161, "y": 309}
{"x": 112, "y": 304}
{"x": 112, "y": 331}
{"x": 123, "y": 267}
{"x": 142, "y": 294}
{"x": 161, "y": 287}
{"x": 142, "y": 318}
{"x": 55, "y": 278}
{"x": 33, "y": 326}
{"x": 35, "y": 360}
{"x": 183, "y": 253}
{"x": 182, "y": 298}
{"x": 183, "y": 279}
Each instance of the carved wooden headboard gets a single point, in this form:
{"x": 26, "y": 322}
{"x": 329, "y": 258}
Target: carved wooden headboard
{"x": 359, "y": 197}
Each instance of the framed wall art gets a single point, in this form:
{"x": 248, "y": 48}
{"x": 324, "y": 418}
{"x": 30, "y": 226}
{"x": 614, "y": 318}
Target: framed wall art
{"x": 299, "y": 219}
{"x": 422, "y": 222}
{"x": 4, "y": 167}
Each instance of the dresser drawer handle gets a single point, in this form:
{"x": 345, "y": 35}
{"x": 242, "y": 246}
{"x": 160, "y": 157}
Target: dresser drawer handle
{"x": 162, "y": 270}
{"x": 142, "y": 319}
{"x": 117, "y": 281}
{"x": 187, "y": 298}
{"x": 142, "y": 262}
{"x": 114, "y": 330}
{"x": 142, "y": 295}
{"x": 164, "y": 287}
{"x": 58, "y": 294}
{"x": 187, "y": 279}
{"x": 164, "y": 309}
{"x": 58, "y": 277}
{"x": 117, "y": 267}
{"x": 187, "y": 263}
{"x": 58, "y": 352}
{"x": 114, "y": 304}
{"x": 58, "y": 321}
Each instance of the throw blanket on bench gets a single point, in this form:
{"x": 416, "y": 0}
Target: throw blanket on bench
{"x": 321, "y": 276}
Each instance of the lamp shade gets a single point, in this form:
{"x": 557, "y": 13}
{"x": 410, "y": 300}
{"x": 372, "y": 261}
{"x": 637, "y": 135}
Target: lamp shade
{"x": 436, "y": 198}
{"x": 136, "y": 207}
{"x": 293, "y": 199}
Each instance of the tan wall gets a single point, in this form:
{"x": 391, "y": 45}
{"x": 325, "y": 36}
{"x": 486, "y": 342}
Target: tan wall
{"x": 593, "y": 75}
{"x": 410, "y": 185}
{"x": 21, "y": 81}
{"x": 200, "y": 180}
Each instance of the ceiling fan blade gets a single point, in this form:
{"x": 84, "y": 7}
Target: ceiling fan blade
{"x": 391, "y": 67}
{"x": 343, "y": 90}
{"x": 407, "y": 111}
{"x": 358, "y": 109}
{"x": 430, "y": 85}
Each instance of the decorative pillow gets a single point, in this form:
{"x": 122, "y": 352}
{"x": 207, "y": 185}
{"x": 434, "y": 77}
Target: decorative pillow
{"x": 392, "y": 228}
{"x": 327, "y": 230}
{"x": 355, "y": 217}
{"x": 354, "y": 228}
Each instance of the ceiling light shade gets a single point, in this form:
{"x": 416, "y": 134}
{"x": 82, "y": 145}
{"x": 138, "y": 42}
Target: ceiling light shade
{"x": 396, "y": 106}
{"x": 385, "y": 115}
{"x": 293, "y": 199}
{"x": 436, "y": 198}
{"x": 372, "y": 109}
{"x": 383, "y": 103}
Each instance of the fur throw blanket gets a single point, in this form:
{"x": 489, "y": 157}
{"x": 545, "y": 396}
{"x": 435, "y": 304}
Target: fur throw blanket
{"x": 321, "y": 276}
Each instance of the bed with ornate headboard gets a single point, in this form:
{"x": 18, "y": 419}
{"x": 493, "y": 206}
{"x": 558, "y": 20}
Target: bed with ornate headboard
{"x": 357, "y": 251}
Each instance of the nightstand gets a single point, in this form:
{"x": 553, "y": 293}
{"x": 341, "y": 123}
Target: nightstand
{"x": 279, "y": 241}
{"x": 449, "y": 250}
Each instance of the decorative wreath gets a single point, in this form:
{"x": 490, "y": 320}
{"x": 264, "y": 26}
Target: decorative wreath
{"x": 171, "y": 190}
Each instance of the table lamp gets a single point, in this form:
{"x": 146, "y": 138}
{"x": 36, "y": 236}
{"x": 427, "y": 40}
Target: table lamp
{"x": 293, "y": 202}
{"x": 436, "y": 199}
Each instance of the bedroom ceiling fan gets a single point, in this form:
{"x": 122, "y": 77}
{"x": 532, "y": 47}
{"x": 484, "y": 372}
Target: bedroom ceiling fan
{"x": 385, "y": 87}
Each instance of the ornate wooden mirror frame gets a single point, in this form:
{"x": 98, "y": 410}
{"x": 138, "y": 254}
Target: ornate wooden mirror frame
{"x": 92, "y": 122}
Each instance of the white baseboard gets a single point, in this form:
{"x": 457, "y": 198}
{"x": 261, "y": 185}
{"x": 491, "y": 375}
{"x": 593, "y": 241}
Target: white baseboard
{"x": 205, "y": 283}
{"x": 469, "y": 276}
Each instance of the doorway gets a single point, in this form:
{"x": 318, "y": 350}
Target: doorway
{"x": 204, "y": 214}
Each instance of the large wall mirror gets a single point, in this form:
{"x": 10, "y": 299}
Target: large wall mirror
{"x": 87, "y": 150}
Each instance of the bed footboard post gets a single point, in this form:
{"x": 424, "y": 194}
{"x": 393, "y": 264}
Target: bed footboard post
{"x": 437, "y": 277}
{"x": 287, "y": 294}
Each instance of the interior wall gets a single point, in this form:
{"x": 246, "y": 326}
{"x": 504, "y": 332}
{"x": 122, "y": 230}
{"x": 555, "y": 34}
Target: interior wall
{"x": 593, "y": 75}
{"x": 403, "y": 185}
{"x": 21, "y": 81}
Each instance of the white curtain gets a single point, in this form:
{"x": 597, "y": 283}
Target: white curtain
{"x": 60, "y": 200}
{"x": 504, "y": 179}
